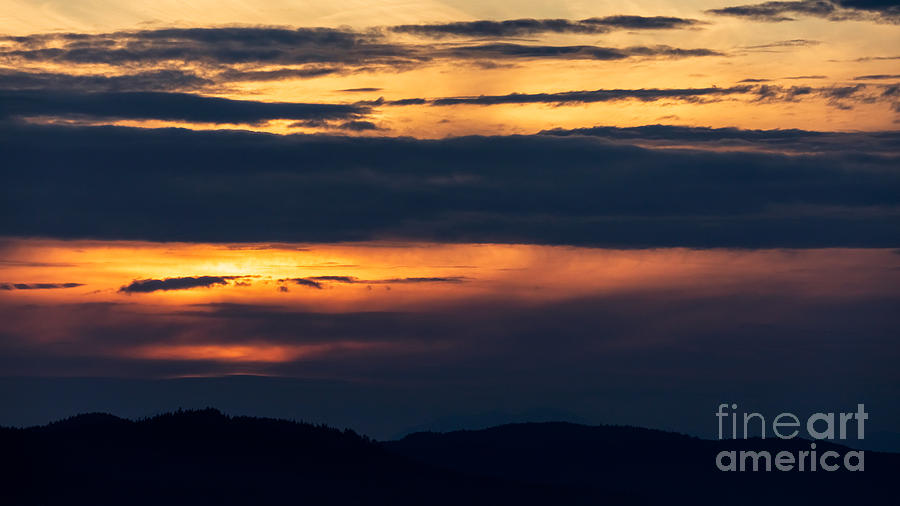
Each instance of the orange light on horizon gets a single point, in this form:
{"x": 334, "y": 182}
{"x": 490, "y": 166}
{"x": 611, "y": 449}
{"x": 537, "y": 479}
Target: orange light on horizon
{"x": 244, "y": 353}
{"x": 228, "y": 322}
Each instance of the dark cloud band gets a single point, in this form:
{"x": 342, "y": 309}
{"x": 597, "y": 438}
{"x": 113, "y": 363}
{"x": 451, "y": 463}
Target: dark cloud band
{"x": 119, "y": 183}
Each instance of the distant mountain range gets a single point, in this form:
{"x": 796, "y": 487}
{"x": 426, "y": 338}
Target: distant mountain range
{"x": 205, "y": 457}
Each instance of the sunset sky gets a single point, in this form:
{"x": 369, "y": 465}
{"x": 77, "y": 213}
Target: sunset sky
{"x": 619, "y": 212}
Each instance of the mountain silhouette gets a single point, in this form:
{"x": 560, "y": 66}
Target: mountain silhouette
{"x": 206, "y": 457}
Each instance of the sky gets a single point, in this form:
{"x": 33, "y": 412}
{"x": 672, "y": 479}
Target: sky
{"x": 393, "y": 215}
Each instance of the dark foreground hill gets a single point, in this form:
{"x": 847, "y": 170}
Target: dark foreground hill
{"x": 204, "y": 457}
{"x": 655, "y": 466}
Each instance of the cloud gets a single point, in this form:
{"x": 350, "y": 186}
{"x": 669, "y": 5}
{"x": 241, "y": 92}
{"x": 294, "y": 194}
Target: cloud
{"x": 843, "y": 97}
{"x": 508, "y": 28}
{"x": 178, "y": 59}
{"x": 206, "y": 56}
{"x": 884, "y": 7}
{"x": 209, "y": 46}
{"x": 643, "y": 22}
{"x": 874, "y": 58}
{"x": 876, "y": 77}
{"x": 358, "y": 126}
{"x": 122, "y": 183}
{"x": 336, "y": 279}
{"x": 603, "y": 95}
{"x": 777, "y": 11}
{"x": 404, "y": 101}
{"x": 360, "y": 90}
{"x": 156, "y": 80}
{"x": 302, "y": 282}
{"x": 833, "y": 10}
{"x": 316, "y": 281}
{"x": 186, "y": 283}
{"x": 783, "y": 140}
{"x": 835, "y": 95}
{"x": 786, "y": 43}
{"x": 236, "y": 75}
{"x": 520, "y": 27}
{"x": 509, "y": 50}
{"x": 452, "y": 279}
{"x": 891, "y": 91}
{"x": 350, "y": 126}
{"x": 164, "y": 106}
{"x": 839, "y": 95}
{"x": 37, "y": 286}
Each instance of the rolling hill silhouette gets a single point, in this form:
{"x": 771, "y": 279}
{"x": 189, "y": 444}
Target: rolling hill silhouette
{"x": 205, "y": 457}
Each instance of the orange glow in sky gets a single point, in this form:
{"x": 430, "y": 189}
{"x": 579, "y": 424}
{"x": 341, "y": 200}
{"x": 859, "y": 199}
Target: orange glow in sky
{"x": 384, "y": 277}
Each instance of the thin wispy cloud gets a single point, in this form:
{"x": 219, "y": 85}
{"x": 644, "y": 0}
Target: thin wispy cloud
{"x": 745, "y": 90}
{"x": 876, "y": 77}
{"x": 523, "y": 27}
{"x": 785, "y": 44}
{"x": 319, "y": 282}
{"x": 512, "y": 51}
